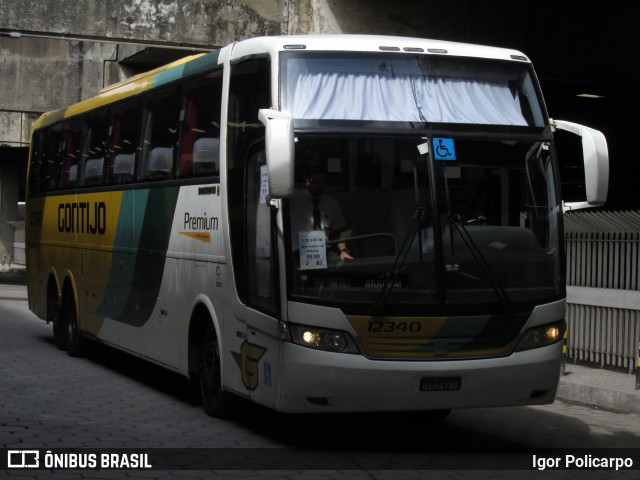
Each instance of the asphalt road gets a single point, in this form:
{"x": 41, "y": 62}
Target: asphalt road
{"x": 111, "y": 400}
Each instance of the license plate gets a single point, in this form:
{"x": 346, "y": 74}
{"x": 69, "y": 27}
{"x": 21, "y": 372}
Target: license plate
{"x": 440, "y": 384}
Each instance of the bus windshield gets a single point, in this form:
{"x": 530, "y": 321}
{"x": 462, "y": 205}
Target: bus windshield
{"x": 416, "y": 89}
{"x": 423, "y": 221}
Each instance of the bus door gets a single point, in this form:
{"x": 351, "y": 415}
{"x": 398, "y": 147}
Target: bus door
{"x": 255, "y": 350}
{"x": 251, "y": 332}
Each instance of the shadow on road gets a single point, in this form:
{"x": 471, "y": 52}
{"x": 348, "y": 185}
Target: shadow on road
{"x": 400, "y": 430}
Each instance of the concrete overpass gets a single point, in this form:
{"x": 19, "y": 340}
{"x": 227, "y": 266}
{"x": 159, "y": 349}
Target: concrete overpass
{"x": 58, "y": 52}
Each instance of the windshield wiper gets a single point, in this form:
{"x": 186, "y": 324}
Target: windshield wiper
{"x": 472, "y": 247}
{"x": 390, "y": 278}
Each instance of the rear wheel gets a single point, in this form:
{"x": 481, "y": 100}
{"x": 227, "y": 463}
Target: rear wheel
{"x": 217, "y": 402}
{"x": 58, "y": 328}
{"x": 69, "y": 326}
{"x": 54, "y": 315}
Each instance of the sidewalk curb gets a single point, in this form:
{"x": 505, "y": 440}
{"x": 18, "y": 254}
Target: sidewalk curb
{"x": 607, "y": 398}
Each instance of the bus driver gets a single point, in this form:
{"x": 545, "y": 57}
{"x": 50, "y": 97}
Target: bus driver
{"x": 313, "y": 209}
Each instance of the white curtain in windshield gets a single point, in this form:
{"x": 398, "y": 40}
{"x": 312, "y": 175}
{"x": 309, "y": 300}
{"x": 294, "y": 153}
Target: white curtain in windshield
{"x": 344, "y": 96}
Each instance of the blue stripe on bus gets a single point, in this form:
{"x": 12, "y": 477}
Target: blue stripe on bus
{"x": 168, "y": 76}
{"x": 202, "y": 64}
{"x": 197, "y": 65}
{"x": 125, "y": 252}
{"x": 132, "y": 292}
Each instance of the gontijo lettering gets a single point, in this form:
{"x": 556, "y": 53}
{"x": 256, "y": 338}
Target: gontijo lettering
{"x": 82, "y": 217}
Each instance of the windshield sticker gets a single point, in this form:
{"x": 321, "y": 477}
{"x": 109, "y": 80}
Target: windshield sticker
{"x": 313, "y": 250}
{"x": 444, "y": 149}
{"x": 423, "y": 148}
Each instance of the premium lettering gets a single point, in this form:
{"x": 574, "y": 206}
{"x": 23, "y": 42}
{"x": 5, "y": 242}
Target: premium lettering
{"x": 194, "y": 222}
{"x": 82, "y": 217}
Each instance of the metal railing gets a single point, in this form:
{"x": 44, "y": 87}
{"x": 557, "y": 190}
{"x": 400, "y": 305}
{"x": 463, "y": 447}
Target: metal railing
{"x": 603, "y": 292}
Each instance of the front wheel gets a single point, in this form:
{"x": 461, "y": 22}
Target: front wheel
{"x": 217, "y": 402}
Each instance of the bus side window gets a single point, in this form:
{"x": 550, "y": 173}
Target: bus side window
{"x": 71, "y": 155}
{"x": 35, "y": 162}
{"x": 161, "y": 136}
{"x": 124, "y": 145}
{"x": 95, "y": 150}
{"x": 200, "y": 127}
{"x": 51, "y": 172}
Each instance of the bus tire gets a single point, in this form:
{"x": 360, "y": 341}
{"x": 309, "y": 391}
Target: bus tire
{"x": 58, "y": 329}
{"x": 216, "y": 401}
{"x": 54, "y": 316}
{"x": 69, "y": 323}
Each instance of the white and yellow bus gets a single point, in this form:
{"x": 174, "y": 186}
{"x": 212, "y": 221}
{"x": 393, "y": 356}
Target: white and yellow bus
{"x": 166, "y": 217}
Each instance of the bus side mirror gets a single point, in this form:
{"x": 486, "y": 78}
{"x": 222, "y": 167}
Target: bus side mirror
{"x": 279, "y": 150}
{"x": 596, "y": 164}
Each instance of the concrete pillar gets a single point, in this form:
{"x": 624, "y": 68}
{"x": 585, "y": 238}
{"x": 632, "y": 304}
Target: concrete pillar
{"x": 13, "y": 164}
{"x": 9, "y": 179}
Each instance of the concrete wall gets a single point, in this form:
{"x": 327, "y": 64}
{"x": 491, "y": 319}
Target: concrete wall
{"x": 49, "y": 73}
{"x": 9, "y": 209}
{"x": 15, "y": 128}
{"x": 198, "y": 22}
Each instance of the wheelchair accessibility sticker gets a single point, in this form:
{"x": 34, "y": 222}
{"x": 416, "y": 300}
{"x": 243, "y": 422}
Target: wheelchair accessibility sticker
{"x": 444, "y": 149}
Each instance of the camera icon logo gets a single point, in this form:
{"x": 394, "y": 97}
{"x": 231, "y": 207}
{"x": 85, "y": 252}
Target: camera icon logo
{"x": 23, "y": 459}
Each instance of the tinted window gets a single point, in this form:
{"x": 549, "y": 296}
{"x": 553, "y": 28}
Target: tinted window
{"x": 162, "y": 120}
{"x": 200, "y": 135}
{"x": 124, "y": 143}
{"x": 95, "y": 150}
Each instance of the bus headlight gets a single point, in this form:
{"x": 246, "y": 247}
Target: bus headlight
{"x": 322, "y": 339}
{"x": 542, "y": 336}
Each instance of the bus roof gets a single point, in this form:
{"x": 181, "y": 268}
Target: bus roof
{"x": 372, "y": 43}
{"x": 272, "y": 45}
